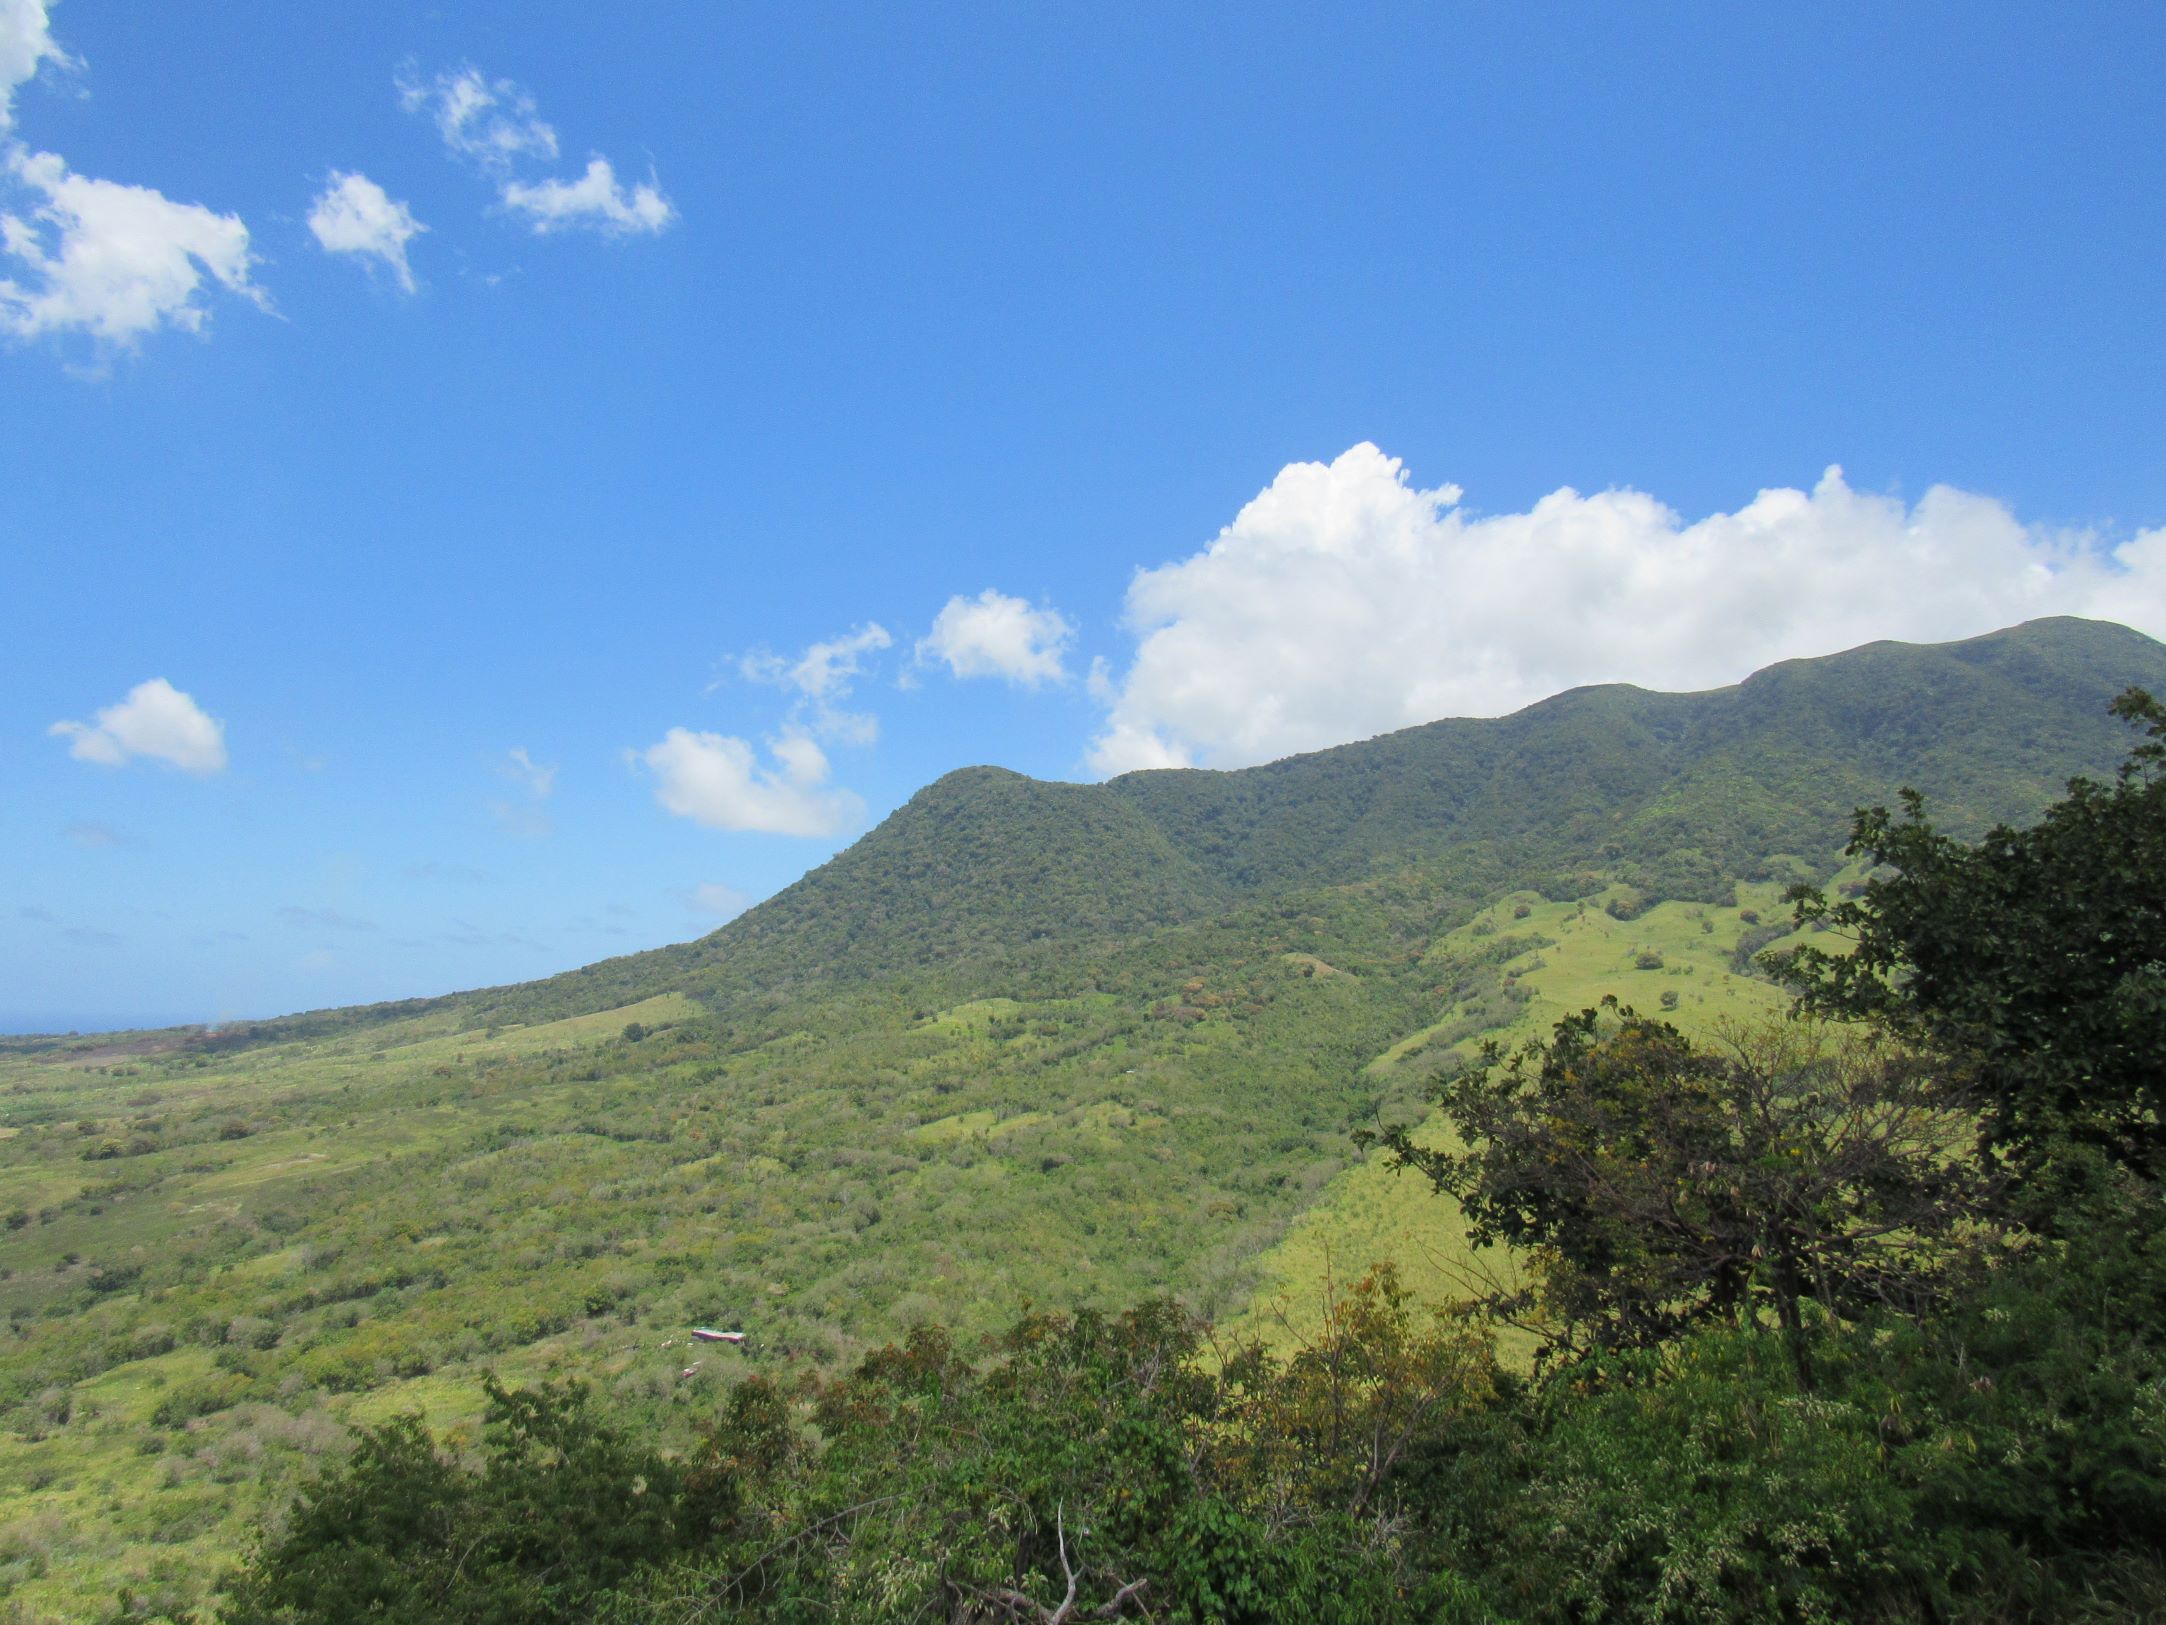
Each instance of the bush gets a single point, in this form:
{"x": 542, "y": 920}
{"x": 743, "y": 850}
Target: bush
{"x": 104, "y": 1278}
{"x": 218, "y": 1392}
{"x": 1698, "y": 1484}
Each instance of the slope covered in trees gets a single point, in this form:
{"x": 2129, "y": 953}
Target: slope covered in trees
{"x": 1680, "y": 793}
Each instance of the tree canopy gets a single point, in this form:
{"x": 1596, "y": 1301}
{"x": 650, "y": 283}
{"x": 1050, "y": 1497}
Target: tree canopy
{"x": 2035, "y": 957}
{"x": 1657, "y": 1184}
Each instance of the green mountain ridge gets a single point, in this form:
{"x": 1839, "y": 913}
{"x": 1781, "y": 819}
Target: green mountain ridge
{"x": 988, "y": 859}
{"x": 1679, "y": 794}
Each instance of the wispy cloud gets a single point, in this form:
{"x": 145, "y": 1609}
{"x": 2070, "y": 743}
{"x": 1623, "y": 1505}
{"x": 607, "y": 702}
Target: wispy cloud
{"x": 723, "y": 902}
{"x": 353, "y": 215}
{"x": 466, "y": 934}
{"x": 822, "y": 678}
{"x": 518, "y": 818}
{"x": 540, "y": 780}
{"x": 321, "y": 919}
{"x": 85, "y": 936}
{"x": 495, "y": 126}
{"x": 488, "y": 122}
{"x": 460, "y": 873}
{"x": 525, "y": 818}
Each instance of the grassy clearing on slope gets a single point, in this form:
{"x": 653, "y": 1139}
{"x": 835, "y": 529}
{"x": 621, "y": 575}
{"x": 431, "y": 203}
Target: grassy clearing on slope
{"x": 1370, "y": 1213}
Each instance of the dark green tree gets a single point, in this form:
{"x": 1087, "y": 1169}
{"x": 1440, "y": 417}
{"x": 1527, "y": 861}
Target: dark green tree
{"x": 1655, "y": 1185}
{"x": 561, "y": 1510}
{"x": 2036, "y": 958}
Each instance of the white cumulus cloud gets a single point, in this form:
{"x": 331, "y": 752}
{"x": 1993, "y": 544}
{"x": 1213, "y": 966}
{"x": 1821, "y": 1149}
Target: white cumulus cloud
{"x": 26, "y": 42}
{"x": 1344, "y": 601}
{"x": 489, "y": 122}
{"x": 597, "y": 201}
{"x": 718, "y": 781}
{"x": 155, "y": 720}
{"x": 111, "y": 260}
{"x": 92, "y": 256}
{"x": 353, "y": 215}
{"x": 994, "y": 635}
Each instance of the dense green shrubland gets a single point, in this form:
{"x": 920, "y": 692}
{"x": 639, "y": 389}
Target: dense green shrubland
{"x": 1019, "y": 1048}
{"x": 1808, "y": 1363}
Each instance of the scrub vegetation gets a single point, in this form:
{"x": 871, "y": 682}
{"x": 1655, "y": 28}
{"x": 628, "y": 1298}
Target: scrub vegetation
{"x": 1022, "y": 1140}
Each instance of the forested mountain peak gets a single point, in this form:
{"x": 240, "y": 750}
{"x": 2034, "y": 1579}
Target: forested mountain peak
{"x": 1679, "y": 794}
{"x": 1689, "y": 788}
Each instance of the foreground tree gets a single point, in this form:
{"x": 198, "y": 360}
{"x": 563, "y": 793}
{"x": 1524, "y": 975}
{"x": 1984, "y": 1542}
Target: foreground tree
{"x": 1656, "y": 1185}
{"x": 2037, "y": 958}
{"x": 562, "y": 1509}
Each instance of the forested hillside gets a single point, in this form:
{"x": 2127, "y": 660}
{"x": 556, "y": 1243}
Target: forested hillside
{"x": 1677, "y": 794}
{"x": 1024, "y": 1043}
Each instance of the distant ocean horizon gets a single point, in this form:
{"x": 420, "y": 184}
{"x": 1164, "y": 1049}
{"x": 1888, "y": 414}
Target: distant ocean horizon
{"x": 52, "y": 1024}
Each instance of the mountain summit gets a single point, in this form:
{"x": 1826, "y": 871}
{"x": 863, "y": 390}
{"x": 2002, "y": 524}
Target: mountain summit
{"x": 1679, "y": 794}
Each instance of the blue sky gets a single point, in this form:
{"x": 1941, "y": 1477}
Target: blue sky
{"x": 431, "y": 559}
